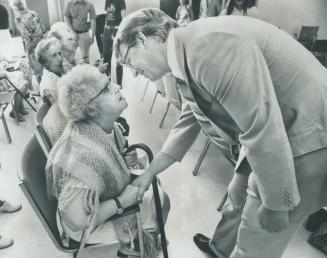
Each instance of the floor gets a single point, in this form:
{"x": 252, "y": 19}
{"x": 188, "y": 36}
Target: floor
{"x": 194, "y": 200}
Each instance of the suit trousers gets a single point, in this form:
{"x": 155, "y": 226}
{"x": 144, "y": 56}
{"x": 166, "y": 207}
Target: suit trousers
{"x": 239, "y": 235}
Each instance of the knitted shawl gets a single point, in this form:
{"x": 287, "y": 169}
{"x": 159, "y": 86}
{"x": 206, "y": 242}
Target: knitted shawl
{"x": 89, "y": 154}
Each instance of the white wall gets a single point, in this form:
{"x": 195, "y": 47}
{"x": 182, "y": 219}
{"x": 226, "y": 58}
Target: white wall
{"x": 133, "y": 5}
{"x": 290, "y": 15}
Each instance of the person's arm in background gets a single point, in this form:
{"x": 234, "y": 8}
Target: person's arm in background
{"x": 180, "y": 139}
{"x": 67, "y": 19}
{"x": 92, "y": 22}
{"x": 123, "y": 13}
{"x": 190, "y": 8}
{"x": 123, "y": 9}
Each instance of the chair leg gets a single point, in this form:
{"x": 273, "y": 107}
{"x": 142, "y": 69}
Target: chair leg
{"x": 5, "y": 124}
{"x": 137, "y": 83}
{"x": 222, "y": 202}
{"x": 140, "y": 234}
{"x": 203, "y": 153}
{"x": 154, "y": 100}
{"x": 145, "y": 89}
{"x": 164, "y": 116}
{"x": 159, "y": 217}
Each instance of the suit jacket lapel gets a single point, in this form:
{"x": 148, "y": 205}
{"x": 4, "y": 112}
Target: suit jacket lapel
{"x": 211, "y": 107}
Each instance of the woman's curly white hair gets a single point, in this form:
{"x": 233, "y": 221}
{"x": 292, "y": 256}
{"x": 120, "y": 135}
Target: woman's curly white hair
{"x": 76, "y": 88}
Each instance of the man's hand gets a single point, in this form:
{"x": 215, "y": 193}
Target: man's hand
{"x": 272, "y": 221}
{"x": 92, "y": 39}
{"x": 143, "y": 182}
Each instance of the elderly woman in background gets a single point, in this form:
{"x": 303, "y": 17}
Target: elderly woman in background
{"x": 31, "y": 29}
{"x": 49, "y": 52}
{"x": 67, "y": 38}
{"x": 86, "y": 171}
{"x": 49, "y": 55}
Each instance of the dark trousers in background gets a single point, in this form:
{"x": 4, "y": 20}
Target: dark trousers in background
{"x": 108, "y": 38}
{"x": 100, "y": 22}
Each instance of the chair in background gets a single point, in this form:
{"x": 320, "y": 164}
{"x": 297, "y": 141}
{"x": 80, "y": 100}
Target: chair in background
{"x": 167, "y": 87}
{"x": 40, "y": 133}
{"x": 145, "y": 89}
{"x": 308, "y": 36}
{"x": 321, "y": 56}
{"x": 5, "y": 99}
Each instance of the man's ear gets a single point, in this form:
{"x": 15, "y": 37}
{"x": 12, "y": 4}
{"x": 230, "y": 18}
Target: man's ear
{"x": 141, "y": 38}
{"x": 91, "y": 110}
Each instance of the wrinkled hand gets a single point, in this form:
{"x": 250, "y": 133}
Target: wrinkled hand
{"x": 143, "y": 182}
{"x": 273, "y": 221}
{"x": 128, "y": 196}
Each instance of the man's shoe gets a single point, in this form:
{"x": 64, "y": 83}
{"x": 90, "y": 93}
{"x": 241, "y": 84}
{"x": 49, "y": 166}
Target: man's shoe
{"x": 5, "y": 242}
{"x": 9, "y": 208}
{"x": 202, "y": 242}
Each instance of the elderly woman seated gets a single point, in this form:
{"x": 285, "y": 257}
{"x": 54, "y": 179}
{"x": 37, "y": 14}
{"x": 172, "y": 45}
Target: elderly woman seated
{"x": 86, "y": 171}
{"x": 50, "y": 53}
{"x": 67, "y": 39}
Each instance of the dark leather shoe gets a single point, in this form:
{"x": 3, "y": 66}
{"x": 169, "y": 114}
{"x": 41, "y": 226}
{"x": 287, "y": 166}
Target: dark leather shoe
{"x": 202, "y": 242}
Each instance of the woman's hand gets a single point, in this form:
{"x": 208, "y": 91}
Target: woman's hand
{"x": 142, "y": 183}
{"x": 272, "y": 221}
{"x": 128, "y": 196}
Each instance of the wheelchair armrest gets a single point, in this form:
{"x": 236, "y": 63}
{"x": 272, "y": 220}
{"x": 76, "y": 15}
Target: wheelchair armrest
{"x": 127, "y": 211}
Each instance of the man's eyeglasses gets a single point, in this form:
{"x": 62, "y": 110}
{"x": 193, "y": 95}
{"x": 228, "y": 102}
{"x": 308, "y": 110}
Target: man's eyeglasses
{"x": 124, "y": 60}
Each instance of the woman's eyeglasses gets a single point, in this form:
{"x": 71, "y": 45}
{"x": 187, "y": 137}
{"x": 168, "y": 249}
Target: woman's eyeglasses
{"x": 105, "y": 88}
{"x": 109, "y": 87}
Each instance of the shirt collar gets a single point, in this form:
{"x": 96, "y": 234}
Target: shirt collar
{"x": 173, "y": 53}
{"x": 79, "y": 1}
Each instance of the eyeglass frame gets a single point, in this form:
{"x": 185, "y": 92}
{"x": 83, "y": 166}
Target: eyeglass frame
{"x": 123, "y": 62}
{"x": 101, "y": 91}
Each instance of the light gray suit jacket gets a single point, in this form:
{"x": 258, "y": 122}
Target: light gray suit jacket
{"x": 274, "y": 90}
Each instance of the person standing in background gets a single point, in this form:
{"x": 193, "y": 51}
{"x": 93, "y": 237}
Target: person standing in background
{"x": 99, "y": 7}
{"x": 215, "y": 7}
{"x": 204, "y": 4}
{"x": 116, "y": 11}
{"x": 80, "y": 17}
{"x": 241, "y": 8}
{"x": 4, "y": 18}
{"x": 184, "y": 13}
{"x": 32, "y": 30}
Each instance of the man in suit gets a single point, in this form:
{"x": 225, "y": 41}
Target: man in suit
{"x": 244, "y": 81}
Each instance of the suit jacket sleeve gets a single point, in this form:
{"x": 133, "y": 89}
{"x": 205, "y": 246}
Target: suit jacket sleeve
{"x": 182, "y": 135}
{"x": 238, "y": 76}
